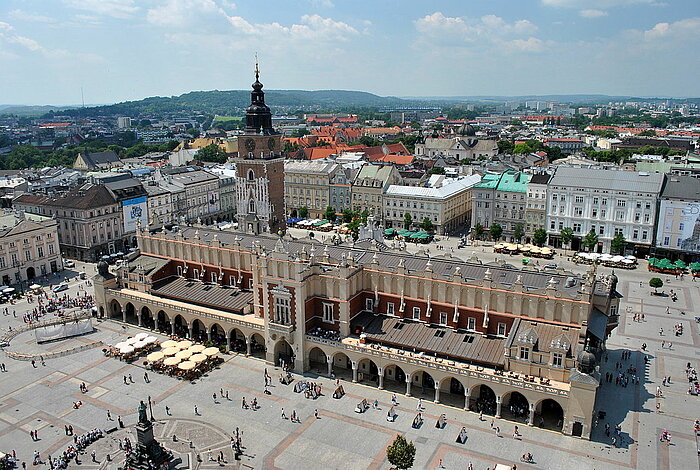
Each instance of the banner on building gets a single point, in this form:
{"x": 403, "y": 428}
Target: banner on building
{"x": 679, "y": 228}
{"x": 135, "y": 210}
{"x": 64, "y": 330}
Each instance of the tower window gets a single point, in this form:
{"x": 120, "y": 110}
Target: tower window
{"x": 251, "y": 206}
{"x": 251, "y": 175}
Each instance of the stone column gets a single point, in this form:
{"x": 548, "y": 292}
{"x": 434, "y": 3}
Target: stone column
{"x": 329, "y": 360}
{"x": 209, "y": 334}
{"x": 228, "y": 343}
{"x": 138, "y": 320}
{"x": 189, "y": 329}
{"x": 437, "y": 392}
{"x": 248, "y": 344}
{"x": 380, "y": 371}
{"x": 408, "y": 385}
{"x": 124, "y": 315}
{"x": 531, "y": 418}
{"x": 172, "y": 328}
{"x": 466, "y": 399}
{"x": 354, "y": 371}
{"x": 498, "y": 406}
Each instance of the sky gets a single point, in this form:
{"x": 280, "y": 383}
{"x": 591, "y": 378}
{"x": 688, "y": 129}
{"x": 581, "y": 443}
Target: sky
{"x": 118, "y": 50}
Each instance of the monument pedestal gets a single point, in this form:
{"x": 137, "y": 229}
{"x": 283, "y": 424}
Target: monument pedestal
{"x": 148, "y": 453}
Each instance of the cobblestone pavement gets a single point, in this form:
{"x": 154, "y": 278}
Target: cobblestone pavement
{"x": 41, "y": 399}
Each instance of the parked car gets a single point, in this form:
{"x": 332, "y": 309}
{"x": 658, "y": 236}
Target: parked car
{"x": 68, "y": 263}
{"x": 60, "y": 288}
{"x": 550, "y": 266}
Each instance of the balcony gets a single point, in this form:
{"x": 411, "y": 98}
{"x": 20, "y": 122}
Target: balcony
{"x": 280, "y": 328}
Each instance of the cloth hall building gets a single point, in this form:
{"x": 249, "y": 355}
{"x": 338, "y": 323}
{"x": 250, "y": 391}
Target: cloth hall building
{"x": 519, "y": 344}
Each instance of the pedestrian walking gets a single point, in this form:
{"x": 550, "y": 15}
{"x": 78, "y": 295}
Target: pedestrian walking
{"x": 316, "y": 413}
{"x": 167, "y": 410}
{"x": 196, "y": 410}
{"x": 109, "y": 416}
{"x": 284, "y": 416}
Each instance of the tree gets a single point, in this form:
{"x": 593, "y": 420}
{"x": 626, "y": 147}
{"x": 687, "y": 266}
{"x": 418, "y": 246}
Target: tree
{"x": 478, "y": 231}
{"x": 496, "y": 231}
{"x": 505, "y": 146}
{"x": 647, "y": 133}
{"x": 656, "y": 283}
{"x": 407, "y": 220}
{"x": 566, "y": 234}
{"x": 590, "y": 240}
{"x": 401, "y": 453}
{"x": 518, "y": 232}
{"x": 522, "y": 147}
{"x": 618, "y": 243}
{"x": 329, "y": 214}
{"x": 363, "y": 216}
{"x": 303, "y": 212}
{"x": 348, "y": 215}
{"x": 539, "y": 237}
{"x": 427, "y": 225}
{"x": 212, "y": 153}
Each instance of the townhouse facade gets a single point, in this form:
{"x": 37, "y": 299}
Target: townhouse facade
{"x": 90, "y": 220}
{"x": 607, "y": 202}
{"x": 29, "y": 248}
{"x": 307, "y": 184}
{"x": 446, "y": 202}
{"x": 369, "y": 185}
{"x": 536, "y": 203}
{"x": 678, "y": 228}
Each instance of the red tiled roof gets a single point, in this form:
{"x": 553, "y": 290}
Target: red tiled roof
{"x": 391, "y": 158}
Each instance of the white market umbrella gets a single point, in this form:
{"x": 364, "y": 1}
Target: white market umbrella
{"x": 184, "y": 344}
{"x": 198, "y": 358}
{"x": 139, "y": 344}
{"x": 212, "y": 351}
{"x": 131, "y": 340}
{"x": 141, "y": 336}
{"x": 168, "y": 344}
{"x": 155, "y": 356}
{"x": 171, "y": 361}
{"x": 123, "y": 344}
{"x": 150, "y": 339}
{"x": 187, "y": 365}
{"x": 126, "y": 350}
{"x": 183, "y": 354}
{"x": 197, "y": 348}
{"x": 170, "y": 351}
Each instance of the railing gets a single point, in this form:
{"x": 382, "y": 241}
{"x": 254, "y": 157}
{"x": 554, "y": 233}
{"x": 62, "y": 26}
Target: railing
{"x": 55, "y": 321}
{"x": 179, "y": 308}
{"x": 410, "y": 358}
{"x": 54, "y": 354}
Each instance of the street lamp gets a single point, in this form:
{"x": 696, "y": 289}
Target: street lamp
{"x": 150, "y": 407}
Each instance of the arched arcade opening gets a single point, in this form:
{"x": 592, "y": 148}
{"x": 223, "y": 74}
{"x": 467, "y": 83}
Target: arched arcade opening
{"x": 549, "y": 415}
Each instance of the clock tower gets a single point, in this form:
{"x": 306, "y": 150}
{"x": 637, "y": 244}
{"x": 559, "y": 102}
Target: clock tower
{"x": 259, "y": 169}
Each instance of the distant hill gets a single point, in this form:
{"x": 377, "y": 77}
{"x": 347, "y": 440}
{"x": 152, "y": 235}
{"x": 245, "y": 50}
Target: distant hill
{"x": 233, "y": 101}
{"x": 22, "y": 110}
{"x": 573, "y": 98}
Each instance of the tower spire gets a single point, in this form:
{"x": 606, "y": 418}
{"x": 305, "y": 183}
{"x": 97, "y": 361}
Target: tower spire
{"x": 257, "y": 68}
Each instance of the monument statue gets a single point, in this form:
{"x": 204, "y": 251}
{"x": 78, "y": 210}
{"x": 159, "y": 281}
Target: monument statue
{"x": 142, "y": 413}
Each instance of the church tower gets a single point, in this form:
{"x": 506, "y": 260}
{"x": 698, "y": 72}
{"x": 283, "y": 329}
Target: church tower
{"x": 259, "y": 169}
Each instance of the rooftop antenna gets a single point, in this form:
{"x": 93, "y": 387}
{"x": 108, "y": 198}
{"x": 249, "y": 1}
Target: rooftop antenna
{"x": 82, "y": 96}
{"x": 257, "y": 68}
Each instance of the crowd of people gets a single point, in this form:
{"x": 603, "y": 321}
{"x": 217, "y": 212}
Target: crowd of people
{"x": 80, "y": 443}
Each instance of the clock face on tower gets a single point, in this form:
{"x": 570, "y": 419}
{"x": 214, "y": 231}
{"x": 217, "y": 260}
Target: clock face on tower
{"x": 271, "y": 143}
{"x": 250, "y": 145}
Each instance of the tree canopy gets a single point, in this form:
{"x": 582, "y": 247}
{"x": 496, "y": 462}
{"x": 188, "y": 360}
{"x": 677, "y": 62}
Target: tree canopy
{"x": 401, "y": 453}
{"x": 539, "y": 237}
{"x": 212, "y": 153}
{"x": 496, "y": 231}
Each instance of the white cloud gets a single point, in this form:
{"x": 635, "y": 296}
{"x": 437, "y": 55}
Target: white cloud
{"x": 30, "y": 17}
{"x": 491, "y": 31}
{"x": 682, "y": 29}
{"x": 592, "y": 13}
{"x": 526, "y": 45}
{"x": 312, "y": 27}
{"x": 591, "y": 4}
{"x": 115, "y": 8}
{"x": 172, "y": 13}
